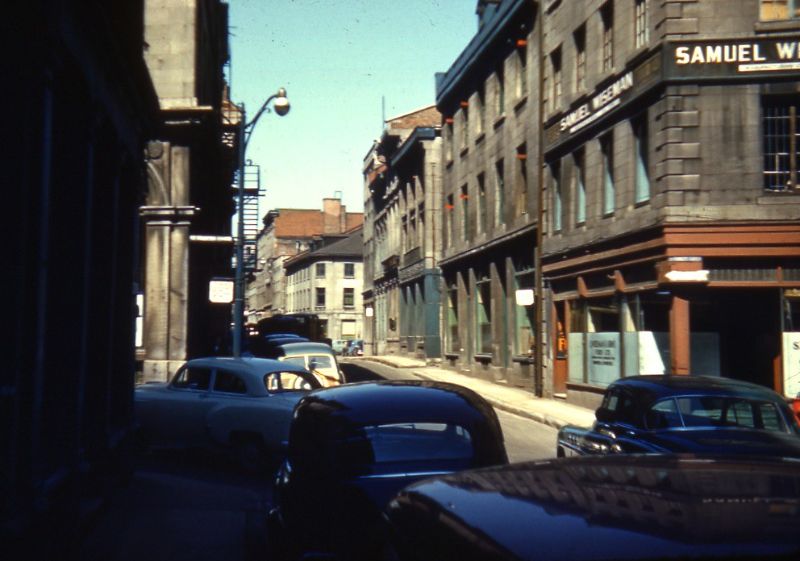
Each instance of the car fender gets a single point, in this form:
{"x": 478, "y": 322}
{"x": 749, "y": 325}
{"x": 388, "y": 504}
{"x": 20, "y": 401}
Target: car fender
{"x": 269, "y": 417}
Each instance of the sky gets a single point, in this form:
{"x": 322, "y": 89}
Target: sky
{"x": 345, "y": 65}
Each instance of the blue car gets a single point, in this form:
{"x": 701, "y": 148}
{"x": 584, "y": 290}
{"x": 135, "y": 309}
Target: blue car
{"x": 686, "y": 414}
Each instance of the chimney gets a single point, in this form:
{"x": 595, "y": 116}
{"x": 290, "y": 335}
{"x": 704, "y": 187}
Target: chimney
{"x": 333, "y": 216}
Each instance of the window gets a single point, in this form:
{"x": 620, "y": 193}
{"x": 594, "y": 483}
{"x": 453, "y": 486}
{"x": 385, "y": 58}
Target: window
{"x": 779, "y": 9}
{"x": 464, "y": 136}
{"x": 609, "y": 190}
{"x": 453, "y": 341}
{"x": 483, "y": 317}
{"x": 522, "y": 180}
{"x": 481, "y": 103}
{"x": 641, "y": 24}
{"x": 781, "y": 147}
{"x": 524, "y": 316}
{"x": 193, "y": 378}
{"x": 349, "y": 270}
{"x": 501, "y": 90}
{"x": 555, "y": 172}
{"x": 555, "y": 65}
{"x": 349, "y": 298}
{"x": 522, "y": 68}
{"x": 607, "y": 15}
{"x": 449, "y": 139}
{"x": 319, "y": 303}
{"x": 348, "y": 328}
{"x": 465, "y": 212}
{"x": 642, "y": 160}
{"x": 415, "y": 442}
{"x": 449, "y": 209}
{"x": 320, "y": 270}
{"x": 580, "y": 58}
{"x": 500, "y": 194}
{"x": 481, "y": 203}
{"x": 229, "y": 382}
{"x": 580, "y": 187}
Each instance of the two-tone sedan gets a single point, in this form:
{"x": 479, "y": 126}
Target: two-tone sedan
{"x": 244, "y": 404}
{"x": 686, "y": 414}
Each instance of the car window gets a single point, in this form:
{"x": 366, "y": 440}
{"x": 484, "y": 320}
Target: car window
{"x": 619, "y": 406}
{"x": 297, "y": 360}
{"x": 771, "y": 418}
{"x": 229, "y": 382}
{"x": 276, "y": 382}
{"x": 662, "y": 415}
{"x": 713, "y": 411}
{"x": 409, "y": 442}
{"x": 321, "y": 361}
{"x": 193, "y": 378}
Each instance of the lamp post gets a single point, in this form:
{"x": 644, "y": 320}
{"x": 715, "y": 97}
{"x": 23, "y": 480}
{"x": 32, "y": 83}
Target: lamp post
{"x": 281, "y": 107}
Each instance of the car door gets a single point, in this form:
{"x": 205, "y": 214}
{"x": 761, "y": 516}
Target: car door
{"x": 185, "y": 417}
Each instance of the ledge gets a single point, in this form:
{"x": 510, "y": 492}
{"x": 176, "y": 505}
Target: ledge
{"x": 521, "y": 359}
{"x": 483, "y": 357}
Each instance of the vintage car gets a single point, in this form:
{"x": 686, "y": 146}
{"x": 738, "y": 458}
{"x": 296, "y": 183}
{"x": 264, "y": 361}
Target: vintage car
{"x": 318, "y": 358}
{"x": 351, "y": 448}
{"x": 669, "y": 414}
{"x": 245, "y": 404}
{"x": 637, "y": 507}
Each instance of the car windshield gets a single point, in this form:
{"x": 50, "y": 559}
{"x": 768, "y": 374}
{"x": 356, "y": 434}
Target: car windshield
{"x": 714, "y": 412}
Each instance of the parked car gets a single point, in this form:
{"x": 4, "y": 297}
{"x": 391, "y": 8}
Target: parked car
{"x": 355, "y": 348}
{"x": 245, "y": 404}
{"x": 351, "y": 448}
{"x": 662, "y": 414}
{"x": 318, "y": 358}
{"x": 637, "y": 507}
{"x": 340, "y": 345}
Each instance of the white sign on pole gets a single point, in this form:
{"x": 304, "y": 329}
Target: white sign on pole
{"x": 220, "y": 291}
{"x": 791, "y": 364}
{"x": 524, "y": 297}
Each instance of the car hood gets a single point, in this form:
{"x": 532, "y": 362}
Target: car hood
{"x": 738, "y": 441}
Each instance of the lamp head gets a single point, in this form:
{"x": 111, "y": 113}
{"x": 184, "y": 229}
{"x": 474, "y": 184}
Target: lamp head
{"x": 281, "y": 103}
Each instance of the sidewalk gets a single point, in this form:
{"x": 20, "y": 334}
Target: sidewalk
{"x": 513, "y": 400}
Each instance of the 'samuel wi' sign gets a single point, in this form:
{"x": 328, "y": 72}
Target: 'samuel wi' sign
{"x": 729, "y": 58}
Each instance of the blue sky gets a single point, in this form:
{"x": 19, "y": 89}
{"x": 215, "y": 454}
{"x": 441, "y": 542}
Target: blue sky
{"x": 336, "y": 60}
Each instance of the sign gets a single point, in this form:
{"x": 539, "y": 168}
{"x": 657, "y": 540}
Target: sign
{"x": 524, "y": 297}
{"x": 791, "y": 364}
{"x": 598, "y": 105}
{"x": 220, "y": 291}
{"x": 603, "y": 357}
{"x": 687, "y": 276}
{"x": 726, "y": 58}
{"x": 369, "y": 311}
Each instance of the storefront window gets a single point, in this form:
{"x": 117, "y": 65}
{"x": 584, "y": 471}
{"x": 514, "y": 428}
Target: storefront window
{"x": 524, "y": 342}
{"x": 453, "y": 341}
{"x": 483, "y": 316}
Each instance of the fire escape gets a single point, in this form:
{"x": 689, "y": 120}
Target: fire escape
{"x": 250, "y": 214}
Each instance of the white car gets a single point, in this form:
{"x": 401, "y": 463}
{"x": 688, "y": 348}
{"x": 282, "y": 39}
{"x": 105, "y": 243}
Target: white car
{"x": 244, "y": 404}
{"x": 318, "y": 358}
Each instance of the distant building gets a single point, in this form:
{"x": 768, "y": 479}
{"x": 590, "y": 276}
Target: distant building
{"x": 287, "y": 232}
{"x": 80, "y": 106}
{"x": 190, "y": 166}
{"x": 402, "y": 201}
{"x": 327, "y": 280}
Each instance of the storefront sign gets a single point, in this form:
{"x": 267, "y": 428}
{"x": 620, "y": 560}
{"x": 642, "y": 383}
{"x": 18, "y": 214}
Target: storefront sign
{"x": 791, "y": 364}
{"x": 603, "y": 357}
{"x": 725, "y": 58}
{"x": 600, "y": 104}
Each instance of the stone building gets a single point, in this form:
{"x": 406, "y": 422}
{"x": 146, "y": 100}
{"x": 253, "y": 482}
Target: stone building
{"x": 672, "y": 215}
{"x": 402, "y": 204}
{"x": 287, "y": 232}
{"x": 327, "y": 280}
{"x": 490, "y": 104}
{"x": 80, "y": 106}
{"x": 190, "y": 166}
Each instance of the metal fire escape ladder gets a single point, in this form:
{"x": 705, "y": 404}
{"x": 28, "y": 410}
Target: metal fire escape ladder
{"x": 250, "y": 213}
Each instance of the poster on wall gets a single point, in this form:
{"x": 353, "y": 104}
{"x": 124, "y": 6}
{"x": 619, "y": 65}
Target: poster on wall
{"x": 791, "y": 364}
{"x": 603, "y": 357}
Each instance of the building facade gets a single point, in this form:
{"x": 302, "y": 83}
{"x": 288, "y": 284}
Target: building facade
{"x": 672, "y": 211}
{"x": 327, "y": 280}
{"x": 489, "y": 100}
{"x": 402, "y": 179}
{"x": 81, "y": 109}
{"x": 286, "y": 233}
{"x": 190, "y": 166}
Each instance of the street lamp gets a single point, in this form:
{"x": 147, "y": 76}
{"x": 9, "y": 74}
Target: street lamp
{"x": 281, "y": 107}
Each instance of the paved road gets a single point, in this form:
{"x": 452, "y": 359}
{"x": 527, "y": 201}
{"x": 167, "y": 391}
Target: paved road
{"x": 525, "y": 439}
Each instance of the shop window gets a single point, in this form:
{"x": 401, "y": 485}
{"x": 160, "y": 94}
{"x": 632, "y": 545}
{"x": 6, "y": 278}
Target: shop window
{"x": 453, "y": 340}
{"x": 609, "y": 188}
{"x": 483, "y": 316}
{"x": 641, "y": 23}
{"x": 500, "y": 193}
{"x": 641, "y": 159}
{"x": 580, "y": 187}
{"x": 607, "y": 17}
{"x": 781, "y": 144}
{"x": 524, "y": 316}
{"x": 779, "y": 9}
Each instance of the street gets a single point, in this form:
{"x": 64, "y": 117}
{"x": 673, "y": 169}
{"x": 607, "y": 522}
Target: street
{"x": 525, "y": 439}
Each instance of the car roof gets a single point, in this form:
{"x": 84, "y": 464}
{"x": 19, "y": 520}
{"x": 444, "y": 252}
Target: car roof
{"x": 304, "y": 348}
{"x": 673, "y": 385}
{"x": 253, "y": 365}
{"x": 397, "y": 401}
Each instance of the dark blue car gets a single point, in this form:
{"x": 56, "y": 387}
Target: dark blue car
{"x": 686, "y": 414}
